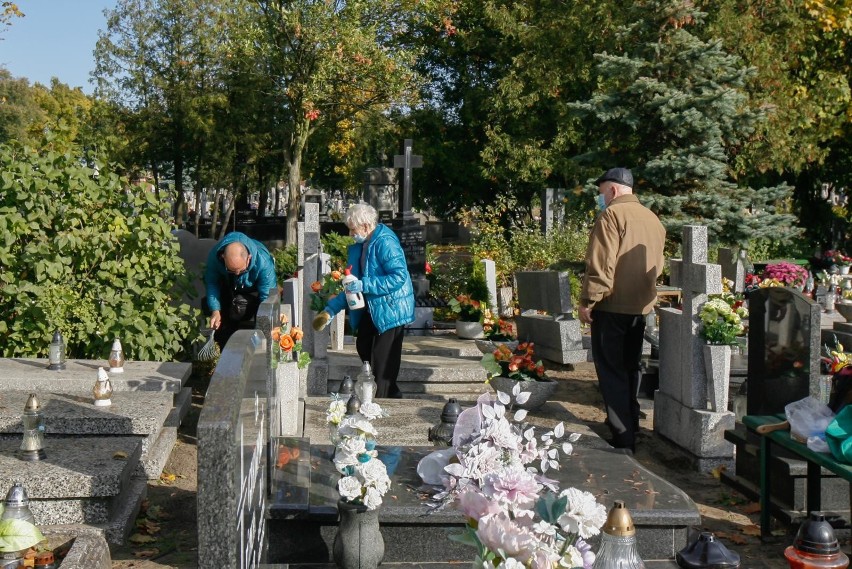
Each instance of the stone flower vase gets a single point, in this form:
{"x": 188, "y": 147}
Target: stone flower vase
{"x": 358, "y": 543}
{"x": 540, "y": 391}
{"x": 469, "y": 330}
{"x": 717, "y": 369}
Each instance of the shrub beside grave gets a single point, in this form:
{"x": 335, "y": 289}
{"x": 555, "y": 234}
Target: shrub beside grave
{"x": 91, "y": 256}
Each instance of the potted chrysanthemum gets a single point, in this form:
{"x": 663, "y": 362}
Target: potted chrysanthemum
{"x": 721, "y": 319}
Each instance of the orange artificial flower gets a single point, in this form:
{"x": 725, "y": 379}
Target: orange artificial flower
{"x": 276, "y": 334}
{"x": 316, "y": 286}
{"x": 286, "y": 342}
{"x": 284, "y": 319}
{"x": 296, "y": 333}
{"x": 335, "y": 275}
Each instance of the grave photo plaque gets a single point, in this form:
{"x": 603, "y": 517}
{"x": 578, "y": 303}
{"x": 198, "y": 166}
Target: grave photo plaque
{"x": 783, "y": 348}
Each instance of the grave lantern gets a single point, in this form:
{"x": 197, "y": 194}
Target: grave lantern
{"x": 815, "y": 546}
{"x": 347, "y": 388}
{"x": 56, "y": 352}
{"x": 16, "y": 506}
{"x": 116, "y": 358}
{"x": 102, "y": 391}
{"x": 618, "y": 541}
{"x": 441, "y": 435}
{"x": 707, "y": 553}
{"x": 365, "y": 384}
{"x": 32, "y": 445}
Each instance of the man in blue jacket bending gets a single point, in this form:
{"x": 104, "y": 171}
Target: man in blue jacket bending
{"x": 377, "y": 259}
{"x": 239, "y": 275}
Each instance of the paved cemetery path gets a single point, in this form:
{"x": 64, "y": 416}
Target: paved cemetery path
{"x": 166, "y": 531}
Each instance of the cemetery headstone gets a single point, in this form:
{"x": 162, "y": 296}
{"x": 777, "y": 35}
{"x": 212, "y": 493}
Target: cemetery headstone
{"x": 380, "y": 191}
{"x": 733, "y": 267}
{"x": 551, "y": 208}
{"x": 681, "y": 406}
{"x": 783, "y": 349}
{"x": 491, "y": 284}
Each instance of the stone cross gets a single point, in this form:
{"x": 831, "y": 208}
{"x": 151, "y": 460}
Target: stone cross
{"x": 683, "y": 378}
{"x": 407, "y": 161}
{"x": 315, "y": 343}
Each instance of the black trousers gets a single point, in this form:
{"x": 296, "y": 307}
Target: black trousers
{"x": 232, "y": 319}
{"x": 383, "y": 351}
{"x": 617, "y": 352}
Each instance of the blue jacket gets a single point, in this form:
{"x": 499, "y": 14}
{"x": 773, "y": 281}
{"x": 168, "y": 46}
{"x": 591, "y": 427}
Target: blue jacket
{"x": 259, "y": 277}
{"x": 387, "y": 284}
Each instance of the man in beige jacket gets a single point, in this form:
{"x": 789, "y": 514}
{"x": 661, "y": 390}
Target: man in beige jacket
{"x": 623, "y": 261}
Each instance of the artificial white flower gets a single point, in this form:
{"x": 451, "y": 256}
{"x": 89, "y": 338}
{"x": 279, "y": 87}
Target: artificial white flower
{"x": 571, "y": 558}
{"x": 353, "y": 425}
{"x": 352, "y": 445}
{"x": 372, "y": 410}
{"x": 349, "y": 488}
{"x": 336, "y": 411}
{"x": 583, "y": 515}
{"x": 372, "y": 498}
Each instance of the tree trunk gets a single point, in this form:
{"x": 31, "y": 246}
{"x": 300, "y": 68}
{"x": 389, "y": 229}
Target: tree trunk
{"x": 293, "y": 155}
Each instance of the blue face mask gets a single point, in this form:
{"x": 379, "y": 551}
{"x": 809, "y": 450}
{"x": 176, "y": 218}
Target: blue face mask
{"x": 601, "y": 202}
{"x": 358, "y": 238}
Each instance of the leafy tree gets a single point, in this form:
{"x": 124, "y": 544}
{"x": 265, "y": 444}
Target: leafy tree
{"x": 675, "y": 108}
{"x": 155, "y": 62}
{"x": 92, "y": 257}
{"x": 327, "y": 61}
{"x": 19, "y": 109}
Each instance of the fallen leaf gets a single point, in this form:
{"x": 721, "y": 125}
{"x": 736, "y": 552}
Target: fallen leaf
{"x": 140, "y": 538}
{"x": 733, "y": 538}
{"x": 165, "y": 477}
{"x": 119, "y": 455}
{"x": 145, "y": 553}
{"x": 751, "y": 508}
{"x": 752, "y": 530}
{"x": 717, "y": 472}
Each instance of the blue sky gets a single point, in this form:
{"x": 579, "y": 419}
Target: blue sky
{"x": 56, "y": 38}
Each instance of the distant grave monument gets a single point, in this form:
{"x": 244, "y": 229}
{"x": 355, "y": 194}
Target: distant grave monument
{"x": 411, "y": 233}
{"x": 381, "y": 192}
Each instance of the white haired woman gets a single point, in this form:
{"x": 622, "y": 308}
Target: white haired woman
{"x": 377, "y": 259}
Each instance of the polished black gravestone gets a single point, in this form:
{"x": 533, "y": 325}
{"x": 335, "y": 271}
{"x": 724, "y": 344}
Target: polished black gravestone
{"x": 303, "y": 514}
{"x": 783, "y": 367}
{"x": 783, "y": 349}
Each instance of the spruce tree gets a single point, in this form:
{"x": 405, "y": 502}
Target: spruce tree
{"x": 674, "y": 108}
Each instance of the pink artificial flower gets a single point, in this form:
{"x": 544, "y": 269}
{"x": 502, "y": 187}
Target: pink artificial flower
{"x": 513, "y": 486}
{"x": 498, "y": 532}
{"x": 475, "y": 505}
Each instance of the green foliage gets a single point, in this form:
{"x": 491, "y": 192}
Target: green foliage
{"x": 93, "y": 258}
{"x": 451, "y": 270}
{"x": 676, "y": 107}
{"x": 286, "y": 259}
{"x": 334, "y": 245}
{"x": 18, "y": 535}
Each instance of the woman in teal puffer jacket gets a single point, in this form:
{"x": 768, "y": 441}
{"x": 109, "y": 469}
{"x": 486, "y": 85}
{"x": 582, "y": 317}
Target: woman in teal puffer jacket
{"x": 377, "y": 259}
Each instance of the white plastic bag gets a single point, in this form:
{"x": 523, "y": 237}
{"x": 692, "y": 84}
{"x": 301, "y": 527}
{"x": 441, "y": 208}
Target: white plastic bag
{"x": 808, "y": 418}
{"x": 431, "y": 467}
{"x": 818, "y": 444}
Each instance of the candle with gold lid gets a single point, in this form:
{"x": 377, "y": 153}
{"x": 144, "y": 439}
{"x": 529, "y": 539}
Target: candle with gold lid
{"x": 618, "y": 541}
{"x": 102, "y": 390}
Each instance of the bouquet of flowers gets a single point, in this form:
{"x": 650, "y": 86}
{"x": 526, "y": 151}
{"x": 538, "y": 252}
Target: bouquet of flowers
{"x": 517, "y": 364}
{"x": 785, "y": 273}
{"x": 837, "y": 257}
{"x": 467, "y": 309}
{"x": 496, "y": 331}
{"x": 516, "y": 516}
{"x": 287, "y": 341}
{"x": 721, "y": 319}
{"x": 365, "y": 479}
{"x": 330, "y": 286}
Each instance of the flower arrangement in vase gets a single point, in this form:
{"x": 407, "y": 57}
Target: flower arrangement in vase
{"x": 287, "y": 341}
{"x": 518, "y": 364}
{"x": 516, "y": 515}
{"x": 784, "y": 274}
{"x": 330, "y": 286}
{"x": 498, "y": 330}
{"x": 837, "y": 257}
{"x": 722, "y": 319}
{"x": 467, "y": 309}
{"x": 365, "y": 479}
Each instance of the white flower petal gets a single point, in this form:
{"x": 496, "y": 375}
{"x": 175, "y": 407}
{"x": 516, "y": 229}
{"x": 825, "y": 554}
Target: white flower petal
{"x": 559, "y": 431}
{"x": 516, "y": 389}
{"x": 523, "y": 397}
{"x": 574, "y": 437}
{"x": 520, "y": 414}
{"x": 503, "y": 398}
